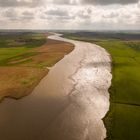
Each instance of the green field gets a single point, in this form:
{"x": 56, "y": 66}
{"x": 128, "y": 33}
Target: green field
{"x": 125, "y": 91}
{"x": 123, "y": 119}
{"x": 18, "y": 47}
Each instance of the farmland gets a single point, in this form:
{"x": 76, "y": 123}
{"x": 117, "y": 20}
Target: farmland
{"x": 25, "y": 58}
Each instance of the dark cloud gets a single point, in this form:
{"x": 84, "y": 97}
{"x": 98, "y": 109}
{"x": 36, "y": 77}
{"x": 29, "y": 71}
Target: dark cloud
{"x": 57, "y": 12}
{"x": 36, "y": 3}
{"x": 107, "y": 2}
{"x": 20, "y": 3}
{"x": 14, "y": 15}
{"x": 10, "y": 14}
{"x": 26, "y": 15}
{"x": 61, "y": 2}
{"x": 94, "y": 2}
{"x": 111, "y": 15}
{"x": 84, "y": 14}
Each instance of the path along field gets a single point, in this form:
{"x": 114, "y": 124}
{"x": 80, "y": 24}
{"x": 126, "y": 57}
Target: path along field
{"x": 123, "y": 119}
{"x": 24, "y": 58}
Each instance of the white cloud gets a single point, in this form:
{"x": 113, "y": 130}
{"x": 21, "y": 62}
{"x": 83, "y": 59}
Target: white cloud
{"x": 70, "y": 14}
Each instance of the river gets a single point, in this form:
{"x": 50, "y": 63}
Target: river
{"x": 68, "y": 104}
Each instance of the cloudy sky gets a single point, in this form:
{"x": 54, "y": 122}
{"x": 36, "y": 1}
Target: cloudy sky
{"x": 70, "y": 14}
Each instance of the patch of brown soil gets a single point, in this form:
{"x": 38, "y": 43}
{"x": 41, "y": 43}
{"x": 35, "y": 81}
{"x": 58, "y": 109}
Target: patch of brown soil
{"x": 16, "y": 82}
{"x": 52, "y": 50}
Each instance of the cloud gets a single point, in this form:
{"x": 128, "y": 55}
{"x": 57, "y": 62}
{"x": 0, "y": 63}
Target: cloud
{"x": 27, "y": 15}
{"x": 11, "y": 14}
{"x": 37, "y": 3}
{"x": 91, "y": 2}
{"x": 139, "y": 4}
{"x": 70, "y": 14}
{"x": 61, "y": 2}
{"x": 84, "y": 14}
{"x": 57, "y": 15}
{"x": 21, "y": 3}
{"x": 17, "y": 15}
{"x": 57, "y": 12}
{"x": 111, "y": 15}
{"x": 107, "y": 2}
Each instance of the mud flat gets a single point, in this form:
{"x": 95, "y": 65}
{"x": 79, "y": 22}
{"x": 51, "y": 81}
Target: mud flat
{"x": 69, "y": 103}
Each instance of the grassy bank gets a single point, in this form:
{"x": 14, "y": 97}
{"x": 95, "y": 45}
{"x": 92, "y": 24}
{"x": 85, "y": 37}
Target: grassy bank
{"x": 123, "y": 119}
{"x": 24, "y": 58}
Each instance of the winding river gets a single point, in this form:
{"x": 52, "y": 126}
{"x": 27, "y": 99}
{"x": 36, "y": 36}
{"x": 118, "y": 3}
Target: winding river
{"x": 68, "y": 104}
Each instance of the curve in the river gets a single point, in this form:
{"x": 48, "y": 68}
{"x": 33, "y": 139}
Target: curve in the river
{"x": 68, "y": 104}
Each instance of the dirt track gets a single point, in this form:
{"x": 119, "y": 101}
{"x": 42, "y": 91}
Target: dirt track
{"x": 68, "y": 104}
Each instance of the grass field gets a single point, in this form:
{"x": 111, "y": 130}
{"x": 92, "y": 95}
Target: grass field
{"x": 24, "y": 58}
{"x": 123, "y": 119}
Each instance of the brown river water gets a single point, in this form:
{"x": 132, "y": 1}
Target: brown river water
{"x": 68, "y": 104}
